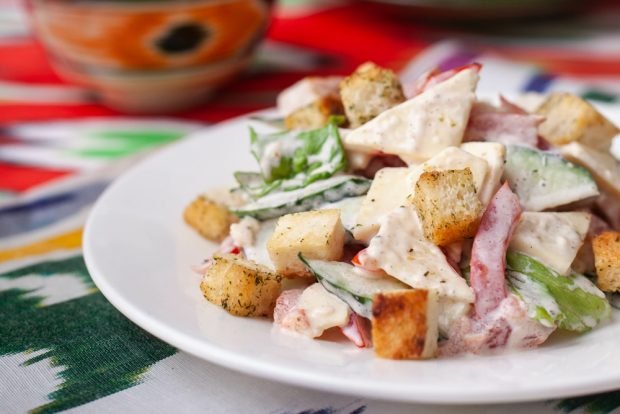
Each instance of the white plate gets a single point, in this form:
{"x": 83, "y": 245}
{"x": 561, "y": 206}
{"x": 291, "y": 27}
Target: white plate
{"x": 139, "y": 253}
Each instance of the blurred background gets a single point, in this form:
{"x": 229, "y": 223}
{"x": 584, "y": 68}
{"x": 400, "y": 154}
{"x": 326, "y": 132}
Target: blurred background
{"x": 84, "y": 83}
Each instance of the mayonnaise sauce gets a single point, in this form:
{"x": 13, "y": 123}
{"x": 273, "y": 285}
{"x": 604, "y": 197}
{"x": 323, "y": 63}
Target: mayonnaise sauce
{"x": 322, "y": 309}
{"x": 401, "y": 250}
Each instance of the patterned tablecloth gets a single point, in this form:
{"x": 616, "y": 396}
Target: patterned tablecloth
{"x": 64, "y": 347}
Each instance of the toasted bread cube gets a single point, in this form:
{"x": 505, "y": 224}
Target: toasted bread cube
{"x": 240, "y": 286}
{"x": 405, "y": 324}
{"x": 448, "y": 206}
{"x": 210, "y": 219}
{"x": 369, "y": 91}
{"x": 606, "y": 247}
{"x": 569, "y": 118}
{"x": 316, "y": 114}
{"x": 315, "y": 234}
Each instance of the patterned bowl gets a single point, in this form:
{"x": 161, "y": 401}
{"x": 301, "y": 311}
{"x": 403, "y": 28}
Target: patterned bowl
{"x": 150, "y": 56}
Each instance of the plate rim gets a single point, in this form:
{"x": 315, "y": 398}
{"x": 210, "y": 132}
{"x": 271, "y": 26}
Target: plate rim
{"x": 257, "y": 368}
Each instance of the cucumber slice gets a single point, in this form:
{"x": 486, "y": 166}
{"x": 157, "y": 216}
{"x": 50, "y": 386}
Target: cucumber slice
{"x": 570, "y": 302}
{"x": 543, "y": 180}
{"x": 305, "y": 199}
{"x": 353, "y": 285}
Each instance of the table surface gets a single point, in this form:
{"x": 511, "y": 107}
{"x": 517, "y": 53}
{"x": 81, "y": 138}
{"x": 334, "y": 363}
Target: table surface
{"x": 63, "y": 346}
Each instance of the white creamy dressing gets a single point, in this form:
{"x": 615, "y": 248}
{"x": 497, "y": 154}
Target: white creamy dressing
{"x": 553, "y": 238}
{"x": 349, "y": 208}
{"x": 432, "y": 325}
{"x": 257, "y": 252}
{"x": 422, "y": 126}
{"x": 401, "y": 250}
{"x": 535, "y": 295}
{"x": 494, "y": 154}
{"x": 305, "y": 92}
{"x": 583, "y": 283}
{"x": 244, "y": 232}
{"x": 286, "y": 147}
{"x": 317, "y": 187}
{"x": 523, "y": 328}
{"x": 323, "y": 310}
{"x": 453, "y": 158}
{"x": 329, "y": 147}
{"x": 389, "y": 190}
{"x": 274, "y": 152}
{"x": 603, "y": 166}
{"x": 392, "y": 187}
{"x": 226, "y": 196}
{"x": 450, "y": 311}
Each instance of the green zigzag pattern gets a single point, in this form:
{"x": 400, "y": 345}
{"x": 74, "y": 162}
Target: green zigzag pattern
{"x": 100, "y": 351}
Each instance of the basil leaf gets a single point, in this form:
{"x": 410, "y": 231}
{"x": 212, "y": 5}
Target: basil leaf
{"x": 292, "y": 159}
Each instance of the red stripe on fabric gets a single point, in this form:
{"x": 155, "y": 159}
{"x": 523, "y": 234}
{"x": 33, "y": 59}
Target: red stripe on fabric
{"x": 355, "y": 34}
{"x": 18, "y": 178}
{"x": 26, "y": 62}
{"x": 16, "y": 112}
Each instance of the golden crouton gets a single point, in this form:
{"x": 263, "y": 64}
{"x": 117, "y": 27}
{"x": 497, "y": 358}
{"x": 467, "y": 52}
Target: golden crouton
{"x": 315, "y": 234}
{"x": 240, "y": 286}
{"x": 606, "y": 248}
{"x": 210, "y": 219}
{"x": 448, "y": 206}
{"x": 316, "y": 114}
{"x": 369, "y": 91}
{"x": 569, "y": 118}
{"x": 404, "y": 324}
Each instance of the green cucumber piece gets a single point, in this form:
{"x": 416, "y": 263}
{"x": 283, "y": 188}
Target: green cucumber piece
{"x": 355, "y": 286}
{"x": 540, "y": 303}
{"x": 304, "y": 199}
{"x": 579, "y": 305}
{"x": 543, "y": 180}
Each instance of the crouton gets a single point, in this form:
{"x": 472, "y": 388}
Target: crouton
{"x": 210, "y": 219}
{"x": 404, "y": 324}
{"x": 453, "y": 158}
{"x": 369, "y": 91}
{"x": 315, "y": 234}
{"x": 240, "y": 286}
{"x": 448, "y": 206}
{"x": 606, "y": 248}
{"x": 316, "y": 114}
{"x": 569, "y": 118}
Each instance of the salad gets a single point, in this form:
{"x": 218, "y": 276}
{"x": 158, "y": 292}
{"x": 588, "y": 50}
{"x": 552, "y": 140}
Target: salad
{"x": 418, "y": 219}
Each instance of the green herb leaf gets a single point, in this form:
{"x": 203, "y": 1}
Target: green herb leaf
{"x": 292, "y": 159}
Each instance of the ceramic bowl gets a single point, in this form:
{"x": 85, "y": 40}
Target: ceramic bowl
{"x": 147, "y": 55}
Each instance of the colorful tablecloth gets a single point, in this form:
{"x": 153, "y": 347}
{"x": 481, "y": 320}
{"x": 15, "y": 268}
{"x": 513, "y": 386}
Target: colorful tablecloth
{"x": 64, "y": 347}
